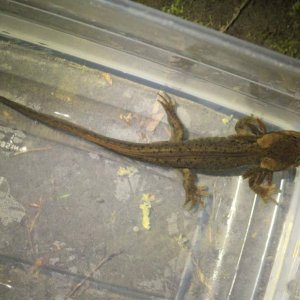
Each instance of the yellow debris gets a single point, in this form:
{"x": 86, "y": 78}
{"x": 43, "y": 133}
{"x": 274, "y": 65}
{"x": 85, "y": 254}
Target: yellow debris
{"x": 107, "y": 77}
{"x": 128, "y": 171}
{"x": 146, "y": 207}
{"x": 227, "y": 120}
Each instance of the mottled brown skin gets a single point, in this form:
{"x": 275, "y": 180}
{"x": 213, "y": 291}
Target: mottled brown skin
{"x": 251, "y": 151}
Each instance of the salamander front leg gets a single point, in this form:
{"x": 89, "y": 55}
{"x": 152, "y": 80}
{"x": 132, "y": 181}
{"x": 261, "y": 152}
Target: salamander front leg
{"x": 192, "y": 191}
{"x": 260, "y": 181}
{"x": 250, "y": 126}
{"x": 177, "y": 128}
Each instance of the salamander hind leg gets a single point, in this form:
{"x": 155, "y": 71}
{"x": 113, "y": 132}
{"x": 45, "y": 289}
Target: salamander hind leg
{"x": 177, "y": 128}
{"x": 260, "y": 181}
{"x": 193, "y": 193}
{"x": 250, "y": 126}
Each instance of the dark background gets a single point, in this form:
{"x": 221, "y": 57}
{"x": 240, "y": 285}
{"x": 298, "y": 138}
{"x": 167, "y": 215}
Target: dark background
{"x": 274, "y": 24}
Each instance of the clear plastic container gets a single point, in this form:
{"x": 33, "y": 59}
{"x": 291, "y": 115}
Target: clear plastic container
{"x": 67, "y": 205}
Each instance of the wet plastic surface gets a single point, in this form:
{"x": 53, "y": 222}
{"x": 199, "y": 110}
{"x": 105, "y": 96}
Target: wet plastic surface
{"x": 67, "y": 206}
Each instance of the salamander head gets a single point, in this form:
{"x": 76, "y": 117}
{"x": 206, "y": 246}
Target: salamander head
{"x": 281, "y": 150}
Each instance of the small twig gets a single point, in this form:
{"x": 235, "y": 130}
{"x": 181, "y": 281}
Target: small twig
{"x": 202, "y": 277}
{"x": 31, "y": 224}
{"x": 30, "y": 241}
{"x": 36, "y": 216}
{"x": 90, "y": 274}
{"x": 235, "y": 16}
{"x": 33, "y": 150}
